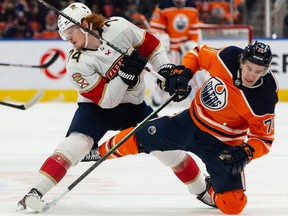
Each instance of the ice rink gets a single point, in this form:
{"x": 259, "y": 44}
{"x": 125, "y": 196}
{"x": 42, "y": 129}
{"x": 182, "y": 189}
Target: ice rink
{"x": 135, "y": 185}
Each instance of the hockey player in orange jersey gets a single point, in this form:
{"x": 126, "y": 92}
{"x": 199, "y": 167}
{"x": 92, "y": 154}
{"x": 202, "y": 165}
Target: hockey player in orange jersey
{"x": 230, "y": 121}
{"x": 179, "y": 19}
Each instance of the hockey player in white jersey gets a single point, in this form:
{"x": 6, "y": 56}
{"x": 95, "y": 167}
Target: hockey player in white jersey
{"x": 111, "y": 97}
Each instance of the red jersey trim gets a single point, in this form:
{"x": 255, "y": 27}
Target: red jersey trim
{"x": 149, "y": 45}
{"x": 96, "y": 93}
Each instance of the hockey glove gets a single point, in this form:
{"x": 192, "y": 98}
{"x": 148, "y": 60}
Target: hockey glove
{"x": 131, "y": 67}
{"x": 178, "y": 82}
{"x": 236, "y": 158}
{"x": 164, "y": 71}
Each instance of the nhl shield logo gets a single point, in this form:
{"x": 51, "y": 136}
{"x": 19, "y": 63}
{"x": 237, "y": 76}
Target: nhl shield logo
{"x": 214, "y": 94}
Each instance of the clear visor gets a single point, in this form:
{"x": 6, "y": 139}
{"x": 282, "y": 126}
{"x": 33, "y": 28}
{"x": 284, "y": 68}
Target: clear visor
{"x": 67, "y": 32}
{"x": 62, "y": 35}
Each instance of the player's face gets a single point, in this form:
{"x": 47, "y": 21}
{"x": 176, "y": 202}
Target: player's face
{"x": 75, "y": 36}
{"x": 251, "y": 73}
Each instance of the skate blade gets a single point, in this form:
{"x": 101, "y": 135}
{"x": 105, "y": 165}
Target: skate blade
{"x": 22, "y": 210}
{"x": 26, "y": 211}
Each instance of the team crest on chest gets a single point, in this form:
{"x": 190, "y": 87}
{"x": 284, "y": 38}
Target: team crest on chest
{"x": 180, "y": 22}
{"x": 214, "y": 94}
{"x": 78, "y": 78}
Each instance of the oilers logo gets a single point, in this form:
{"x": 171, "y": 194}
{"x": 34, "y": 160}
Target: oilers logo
{"x": 180, "y": 22}
{"x": 214, "y": 94}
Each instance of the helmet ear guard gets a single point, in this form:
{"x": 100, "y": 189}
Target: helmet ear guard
{"x": 258, "y": 53}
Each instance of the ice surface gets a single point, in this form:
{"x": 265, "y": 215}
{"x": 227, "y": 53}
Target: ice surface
{"x": 135, "y": 185}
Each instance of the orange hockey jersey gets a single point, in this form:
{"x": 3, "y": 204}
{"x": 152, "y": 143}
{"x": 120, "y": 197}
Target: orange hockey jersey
{"x": 232, "y": 114}
{"x": 181, "y": 24}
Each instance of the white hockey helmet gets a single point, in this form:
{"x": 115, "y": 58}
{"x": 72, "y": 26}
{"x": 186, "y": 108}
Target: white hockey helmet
{"x": 76, "y": 11}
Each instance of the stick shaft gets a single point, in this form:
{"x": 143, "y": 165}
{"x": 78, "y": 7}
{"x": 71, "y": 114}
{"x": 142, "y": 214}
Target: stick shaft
{"x": 27, "y": 104}
{"x": 46, "y": 65}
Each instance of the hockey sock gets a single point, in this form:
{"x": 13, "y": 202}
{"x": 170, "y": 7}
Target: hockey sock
{"x": 129, "y": 147}
{"x": 55, "y": 167}
{"x": 190, "y": 174}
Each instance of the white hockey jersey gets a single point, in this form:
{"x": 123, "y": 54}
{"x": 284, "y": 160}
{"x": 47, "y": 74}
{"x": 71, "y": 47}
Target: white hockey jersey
{"x": 94, "y": 72}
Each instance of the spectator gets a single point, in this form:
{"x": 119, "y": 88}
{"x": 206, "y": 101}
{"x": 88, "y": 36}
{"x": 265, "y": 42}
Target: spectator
{"x": 146, "y": 7}
{"x": 8, "y": 14}
{"x": 20, "y": 29}
{"x": 50, "y": 28}
{"x": 240, "y": 12}
{"x": 219, "y": 12}
{"x": 128, "y": 8}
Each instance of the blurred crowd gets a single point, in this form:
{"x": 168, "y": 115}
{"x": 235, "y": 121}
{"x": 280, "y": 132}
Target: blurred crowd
{"x": 30, "y": 19}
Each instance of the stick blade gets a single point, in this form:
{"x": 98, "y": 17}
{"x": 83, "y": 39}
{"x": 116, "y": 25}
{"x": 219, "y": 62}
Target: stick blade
{"x": 34, "y": 100}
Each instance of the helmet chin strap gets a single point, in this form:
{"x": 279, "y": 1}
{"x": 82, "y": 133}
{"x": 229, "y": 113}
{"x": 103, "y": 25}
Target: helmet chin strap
{"x": 86, "y": 35}
{"x": 238, "y": 80}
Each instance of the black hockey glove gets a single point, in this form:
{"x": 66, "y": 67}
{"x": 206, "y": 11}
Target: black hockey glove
{"x": 164, "y": 71}
{"x": 131, "y": 67}
{"x": 236, "y": 158}
{"x": 178, "y": 82}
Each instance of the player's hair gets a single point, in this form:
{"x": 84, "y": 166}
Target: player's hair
{"x": 79, "y": 12}
{"x": 97, "y": 20}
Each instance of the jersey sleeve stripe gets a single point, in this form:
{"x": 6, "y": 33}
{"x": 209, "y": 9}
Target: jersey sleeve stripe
{"x": 149, "y": 45}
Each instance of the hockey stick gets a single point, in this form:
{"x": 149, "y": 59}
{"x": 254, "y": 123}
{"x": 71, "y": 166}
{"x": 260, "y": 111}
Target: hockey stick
{"x": 27, "y": 104}
{"x": 94, "y": 34}
{"x": 46, "y": 65}
{"x": 47, "y": 206}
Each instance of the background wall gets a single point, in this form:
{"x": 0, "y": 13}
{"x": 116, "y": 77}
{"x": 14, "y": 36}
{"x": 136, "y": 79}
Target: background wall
{"x": 20, "y": 83}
